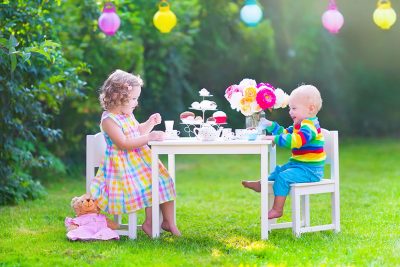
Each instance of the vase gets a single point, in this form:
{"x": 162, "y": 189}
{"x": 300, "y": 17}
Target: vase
{"x": 253, "y": 120}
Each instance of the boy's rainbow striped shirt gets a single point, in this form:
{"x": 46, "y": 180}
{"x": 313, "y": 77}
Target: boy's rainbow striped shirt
{"x": 305, "y": 140}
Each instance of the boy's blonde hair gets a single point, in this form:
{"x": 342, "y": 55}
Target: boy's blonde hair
{"x": 309, "y": 94}
{"x": 117, "y": 88}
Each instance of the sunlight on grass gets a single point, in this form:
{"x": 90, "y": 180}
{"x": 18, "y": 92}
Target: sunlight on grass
{"x": 216, "y": 253}
{"x": 242, "y": 243}
{"x": 27, "y": 231}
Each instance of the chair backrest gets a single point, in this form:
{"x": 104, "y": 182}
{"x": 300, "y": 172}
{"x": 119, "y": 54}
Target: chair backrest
{"x": 331, "y": 148}
{"x": 95, "y": 149}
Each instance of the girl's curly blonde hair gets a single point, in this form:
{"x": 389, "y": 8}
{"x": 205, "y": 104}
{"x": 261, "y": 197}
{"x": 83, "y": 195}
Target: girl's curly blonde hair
{"x": 117, "y": 88}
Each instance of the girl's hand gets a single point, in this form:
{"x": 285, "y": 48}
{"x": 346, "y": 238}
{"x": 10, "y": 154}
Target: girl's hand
{"x": 154, "y": 119}
{"x": 156, "y": 136}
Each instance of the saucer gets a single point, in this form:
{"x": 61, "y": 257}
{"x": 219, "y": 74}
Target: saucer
{"x": 171, "y": 137}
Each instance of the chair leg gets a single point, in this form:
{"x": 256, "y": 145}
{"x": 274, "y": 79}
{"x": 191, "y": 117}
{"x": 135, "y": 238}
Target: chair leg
{"x": 161, "y": 220}
{"x": 132, "y": 225}
{"x": 118, "y": 219}
{"x": 295, "y": 213}
{"x": 336, "y": 211}
{"x": 306, "y": 209}
{"x": 302, "y": 211}
{"x": 270, "y": 204}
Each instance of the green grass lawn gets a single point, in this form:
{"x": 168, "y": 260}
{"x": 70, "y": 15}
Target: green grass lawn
{"x": 220, "y": 220}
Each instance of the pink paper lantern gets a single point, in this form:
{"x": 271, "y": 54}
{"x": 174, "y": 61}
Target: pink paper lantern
{"x": 332, "y": 19}
{"x": 109, "y": 21}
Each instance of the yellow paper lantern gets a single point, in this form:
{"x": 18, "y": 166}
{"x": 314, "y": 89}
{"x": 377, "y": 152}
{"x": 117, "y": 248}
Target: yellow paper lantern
{"x": 384, "y": 15}
{"x": 164, "y": 19}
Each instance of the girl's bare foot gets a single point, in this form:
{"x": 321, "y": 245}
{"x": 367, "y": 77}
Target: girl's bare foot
{"x": 253, "y": 185}
{"x": 272, "y": 214}
{"x": 172, "y": 229}
{"x": 146, "y": 227}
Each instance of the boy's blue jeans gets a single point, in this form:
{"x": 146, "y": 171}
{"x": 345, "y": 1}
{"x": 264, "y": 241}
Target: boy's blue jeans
{"x": 291, "y": 172}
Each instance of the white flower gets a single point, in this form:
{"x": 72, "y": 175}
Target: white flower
{"x": 235, "y": 100}
{"x": 255, "y": 107}
{"x": 246, "y": 112}
{"x": 247, "y": 83}
{"x": 282, "y": 98}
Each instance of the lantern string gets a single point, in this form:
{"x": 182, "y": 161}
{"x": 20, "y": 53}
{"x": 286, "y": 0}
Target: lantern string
{"x": 332, "y": 4}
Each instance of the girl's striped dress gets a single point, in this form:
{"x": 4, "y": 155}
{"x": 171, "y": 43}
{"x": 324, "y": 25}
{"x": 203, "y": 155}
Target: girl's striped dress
{"x": 123, "y": 180}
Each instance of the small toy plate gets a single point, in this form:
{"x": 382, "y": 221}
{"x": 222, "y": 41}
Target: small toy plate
{"x": 171, "y": 137}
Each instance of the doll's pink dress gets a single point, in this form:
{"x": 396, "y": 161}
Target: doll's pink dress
{"x": 90, "y": 227}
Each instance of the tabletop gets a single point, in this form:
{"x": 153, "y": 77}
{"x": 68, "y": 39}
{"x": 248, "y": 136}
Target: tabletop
{"x": 219, "y": 141}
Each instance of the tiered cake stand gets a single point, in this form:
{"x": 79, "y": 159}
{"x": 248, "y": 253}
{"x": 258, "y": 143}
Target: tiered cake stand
{"x": 189, "y": 127}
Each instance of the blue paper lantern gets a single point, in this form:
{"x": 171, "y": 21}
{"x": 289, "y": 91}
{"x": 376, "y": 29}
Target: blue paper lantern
{"x": 251, "y": 13}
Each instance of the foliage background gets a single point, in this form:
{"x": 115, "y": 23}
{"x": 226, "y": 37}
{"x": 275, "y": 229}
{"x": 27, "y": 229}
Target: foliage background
{"x": 49, "y": 105}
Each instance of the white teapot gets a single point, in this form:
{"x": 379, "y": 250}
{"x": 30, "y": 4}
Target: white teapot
{"x": 206, "y": 133}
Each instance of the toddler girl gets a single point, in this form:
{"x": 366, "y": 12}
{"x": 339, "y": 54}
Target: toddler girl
{"x": 123, "y": 181}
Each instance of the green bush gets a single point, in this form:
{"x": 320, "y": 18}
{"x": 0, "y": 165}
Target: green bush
{"x": 35, "y": 79}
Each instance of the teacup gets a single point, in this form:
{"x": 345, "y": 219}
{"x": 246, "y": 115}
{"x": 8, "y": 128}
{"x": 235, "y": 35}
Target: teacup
{"x": 251, "y": 136}
{"x": 169, "y": 125}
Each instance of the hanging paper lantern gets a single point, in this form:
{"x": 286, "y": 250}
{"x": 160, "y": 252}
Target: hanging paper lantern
{"x": 384, "y": 16}
{"x": 109, "y": 21}
{"x": 251, "y": 13}
{"x": 164, "y": 19}
{"x": 332, "y": 19}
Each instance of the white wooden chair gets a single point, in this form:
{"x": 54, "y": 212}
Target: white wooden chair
{"x": 300, "y": 193}
{"x": 95, "y": 149}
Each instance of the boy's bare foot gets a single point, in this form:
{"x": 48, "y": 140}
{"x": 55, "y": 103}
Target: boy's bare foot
{"x": 272, "y": 214}
{"x": 253, "y": 185}
{"x": 146, "y": 227}
{"x": 172, "y": 229}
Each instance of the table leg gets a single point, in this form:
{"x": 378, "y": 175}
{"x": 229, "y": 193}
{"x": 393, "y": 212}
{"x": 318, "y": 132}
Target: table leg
{"x": 264, "y": 193}
{"x": 272, "y": 158}
{"x": 155, "y": 195}
{"x": 272, "y": 166}
{"x": 171, "y": 170}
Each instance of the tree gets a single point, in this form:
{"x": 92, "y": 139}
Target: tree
{"x": 162, "y": 60}
{"x": 35, "y": 79}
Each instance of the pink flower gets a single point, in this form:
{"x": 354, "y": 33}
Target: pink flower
{"x": 230, "y": 90}
{"x": 266, "y": 97}
{"x": 267, "y": 85}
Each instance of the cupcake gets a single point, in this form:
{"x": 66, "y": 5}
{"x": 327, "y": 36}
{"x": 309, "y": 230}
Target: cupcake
{"x": 187, "y": 117}
{"x": 204, "y": 92}
{"x": 196, "y": 105}
{"x": 198, "y": 120}
{"x": 211, "y": 120}
{"x": 220, "y": 117}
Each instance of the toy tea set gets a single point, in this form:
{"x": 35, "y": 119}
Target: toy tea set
{"x": 209, "y": 129}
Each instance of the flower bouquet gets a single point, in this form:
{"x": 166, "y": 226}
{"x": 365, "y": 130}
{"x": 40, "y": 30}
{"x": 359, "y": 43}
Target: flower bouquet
{"x": 251, "y": 98}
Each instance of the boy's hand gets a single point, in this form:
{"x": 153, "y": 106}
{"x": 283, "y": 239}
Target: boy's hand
{"x": 156, "y": 136}
{"x": 264, "y": 123}
{"x": 269, "y": 137}
{"x": 155, "y": 119}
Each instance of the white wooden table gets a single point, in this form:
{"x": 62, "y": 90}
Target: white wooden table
{"x": 188, "y": 145}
